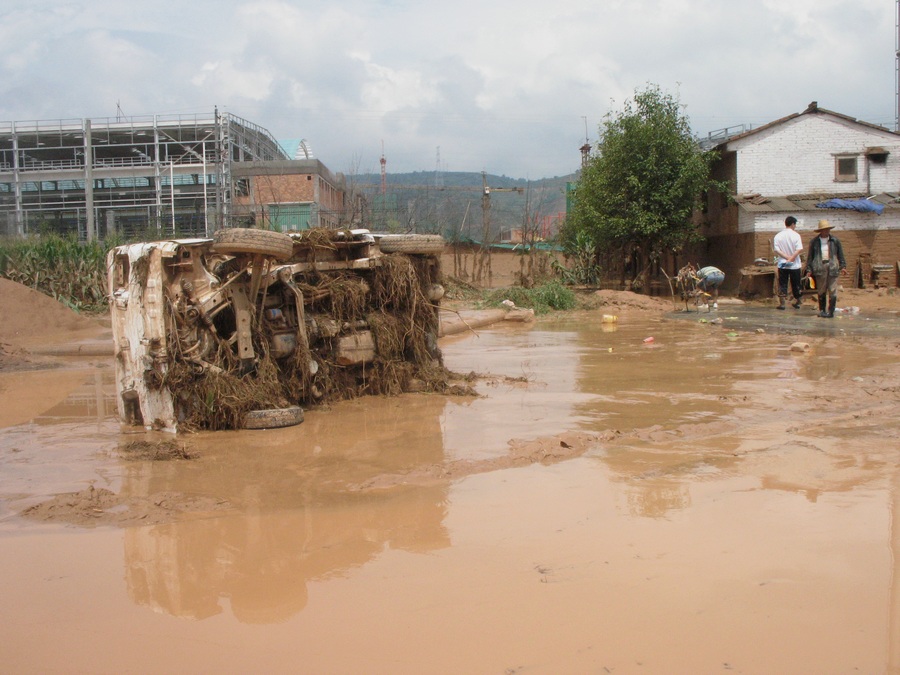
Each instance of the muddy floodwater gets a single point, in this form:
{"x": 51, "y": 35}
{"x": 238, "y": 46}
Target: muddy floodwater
{"x": 705, "y": 501}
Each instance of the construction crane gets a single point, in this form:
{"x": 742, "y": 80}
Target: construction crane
{"x": 484, "y": 260}
{"x": 485, "y": 190}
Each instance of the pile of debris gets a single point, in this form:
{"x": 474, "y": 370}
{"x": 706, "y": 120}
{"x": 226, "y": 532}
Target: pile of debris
{"x": 246, "y": 329}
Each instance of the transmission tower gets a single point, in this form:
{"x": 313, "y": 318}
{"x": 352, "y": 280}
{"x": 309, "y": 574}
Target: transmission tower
{"x": 439, "y": 173}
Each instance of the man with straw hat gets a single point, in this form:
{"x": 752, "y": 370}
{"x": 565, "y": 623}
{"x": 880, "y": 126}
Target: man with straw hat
{"x": 826, "y": 263}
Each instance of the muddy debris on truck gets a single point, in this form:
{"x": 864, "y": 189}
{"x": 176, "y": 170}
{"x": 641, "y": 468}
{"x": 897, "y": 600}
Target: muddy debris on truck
{"x": 249, "y": 328}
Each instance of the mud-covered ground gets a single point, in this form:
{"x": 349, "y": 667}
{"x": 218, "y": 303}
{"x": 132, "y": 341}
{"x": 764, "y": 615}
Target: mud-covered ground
{"x": 631, "y": 491}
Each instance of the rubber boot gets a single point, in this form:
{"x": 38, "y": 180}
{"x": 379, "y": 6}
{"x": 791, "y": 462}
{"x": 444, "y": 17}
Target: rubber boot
{"x": 822, "y": 311}
{"x": 832, "y": 302}
{"x": 781, "y": 300}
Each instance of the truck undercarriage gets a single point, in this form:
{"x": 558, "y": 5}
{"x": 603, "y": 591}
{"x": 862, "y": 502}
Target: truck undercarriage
{"x": 247, "y": 328}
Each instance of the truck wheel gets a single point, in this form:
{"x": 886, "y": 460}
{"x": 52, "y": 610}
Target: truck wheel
{"x": 240, "y": 240}
{"x": 431, "y": 244}
{"x": 275, "y": 418}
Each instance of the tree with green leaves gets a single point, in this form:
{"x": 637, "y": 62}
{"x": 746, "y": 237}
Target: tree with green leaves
{"x": 639, "y": 188}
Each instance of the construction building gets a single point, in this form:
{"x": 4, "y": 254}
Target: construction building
{"x": 159, "y": 175}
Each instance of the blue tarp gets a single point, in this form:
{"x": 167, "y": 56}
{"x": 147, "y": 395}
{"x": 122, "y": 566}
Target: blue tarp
{"x": 852, "y": 204}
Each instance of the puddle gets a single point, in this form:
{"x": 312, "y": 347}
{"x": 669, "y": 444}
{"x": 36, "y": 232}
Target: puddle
{"x": 607, "y": 504}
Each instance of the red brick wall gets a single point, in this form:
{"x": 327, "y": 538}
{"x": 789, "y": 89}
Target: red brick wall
{"x": 732, "y": 252}
{"x": 284, "y": 189}
{"x": 884, "y": 245}
{"x": 292, "y": 189}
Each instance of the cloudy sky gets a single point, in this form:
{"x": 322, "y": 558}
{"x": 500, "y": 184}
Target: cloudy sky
{"x": 507, "y": 87}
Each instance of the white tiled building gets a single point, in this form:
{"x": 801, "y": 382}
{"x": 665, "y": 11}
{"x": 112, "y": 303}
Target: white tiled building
{"x": 792, "y": 165}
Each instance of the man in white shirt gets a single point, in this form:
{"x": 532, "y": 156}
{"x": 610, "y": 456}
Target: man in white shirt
{"x": 788, "y": 246}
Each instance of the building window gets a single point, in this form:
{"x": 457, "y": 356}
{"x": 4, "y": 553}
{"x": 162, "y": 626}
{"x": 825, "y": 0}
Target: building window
{"x": 845, "y": 168}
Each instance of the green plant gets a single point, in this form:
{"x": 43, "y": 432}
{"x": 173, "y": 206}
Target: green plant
{"x": 542, "y": 299}
{"x": 582, "y": 267}
{"x": 70, "y": 271}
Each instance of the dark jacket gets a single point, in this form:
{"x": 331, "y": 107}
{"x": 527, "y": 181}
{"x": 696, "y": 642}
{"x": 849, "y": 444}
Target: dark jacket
{"x": 836, "y": 260}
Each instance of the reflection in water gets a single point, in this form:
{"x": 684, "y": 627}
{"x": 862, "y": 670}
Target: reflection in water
{"x": 823, "y": 367}
{"x": 291, "y": 526}
{"x": 262, "y": 562}
{"x": 683, "y": 393}
{"x": 664, "y": 387}
{"x": 54, "y": 425}
{"x": 56, "y": 396}
{"x": 656, "y": 500}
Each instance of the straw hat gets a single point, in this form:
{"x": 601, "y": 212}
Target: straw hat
{"x": 824, "y": 225}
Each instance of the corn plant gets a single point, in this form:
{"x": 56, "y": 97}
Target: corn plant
{"x": 70, "y": 271}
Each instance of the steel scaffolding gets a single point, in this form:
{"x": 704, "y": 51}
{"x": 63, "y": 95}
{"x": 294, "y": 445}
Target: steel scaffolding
{"x": 162, "y": 174}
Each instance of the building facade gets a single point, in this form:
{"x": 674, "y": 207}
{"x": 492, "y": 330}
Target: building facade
{"x": 153, "y": 176}
{"x": 813, "y": 165}
{"x": 288, "y": 195}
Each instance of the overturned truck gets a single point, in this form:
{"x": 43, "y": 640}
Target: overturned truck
{"x": 250, "y": 327}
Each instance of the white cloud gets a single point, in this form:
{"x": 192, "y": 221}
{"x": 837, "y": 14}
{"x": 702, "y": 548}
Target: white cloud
{"x": 503, "y": 86}
{"x": 230, "y": 81}
{"x": 389, "y": 89}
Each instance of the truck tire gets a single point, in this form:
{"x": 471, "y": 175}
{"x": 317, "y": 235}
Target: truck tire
{"x": 424, "y": 244}
{"x": 275, "y": 418}
{"x": 242, "y": 240}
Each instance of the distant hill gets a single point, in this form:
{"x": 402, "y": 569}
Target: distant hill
{"x": 450, "y": 203}
{"x": 458, "y": 179}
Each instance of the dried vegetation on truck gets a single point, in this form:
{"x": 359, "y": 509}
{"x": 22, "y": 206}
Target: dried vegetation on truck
{"x": 250, "y": 327}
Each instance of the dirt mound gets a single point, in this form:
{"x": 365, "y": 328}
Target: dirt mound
{"x": 30, "y": 319}
{"x": 627, "y": 300}
{"x": 157, "y": 451}
{"x": 27, "y": 314}
{"x": 101, "y": 507}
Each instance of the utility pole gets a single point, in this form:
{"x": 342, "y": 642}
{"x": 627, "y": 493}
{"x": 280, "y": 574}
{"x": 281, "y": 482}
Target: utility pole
{"x": 483, "y": 266}
{"x": 586, "y": 148}
{"x": 383, "y": 171}
{"x": 438, "y": 172}
{"x": 91, "y": 225}
{"x": 897, "y": 70}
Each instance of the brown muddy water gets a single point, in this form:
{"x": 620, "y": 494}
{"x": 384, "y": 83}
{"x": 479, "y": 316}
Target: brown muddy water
{"x": 708, "y": 501}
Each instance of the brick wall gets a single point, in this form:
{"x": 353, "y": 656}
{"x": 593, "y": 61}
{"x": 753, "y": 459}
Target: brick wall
{"x": 884, "y": 245}
{"x": 284, "y": 189}
{"x": 730, "y": 253}
{"x": 268, "y": 189}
